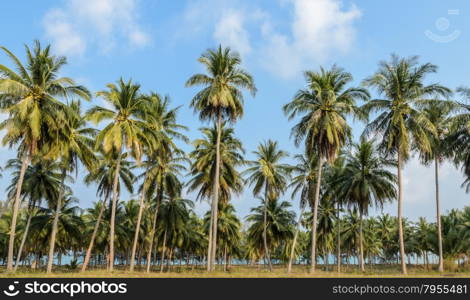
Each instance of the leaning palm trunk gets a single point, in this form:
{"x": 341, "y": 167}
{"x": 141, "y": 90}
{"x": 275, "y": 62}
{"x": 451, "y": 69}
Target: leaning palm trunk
{"x": 361, "y": 244}
{"x": 93, "y": 236}
{"x": 152, "y": 235}
{"x": 137, "y": 228}
{"x": 292, "y": 250}
{"x": 16, "y": 207}
{"x": 113, "y": 214}
{"x": 265, "y": 225}
{"x": 400, "y": 217}
{"x": 215, "y": 200}
{"x": 438, "y": 217}
{"x": 315, "y": 216}
{"x": 55, "y": 223}
{"x": 23, "y": 240}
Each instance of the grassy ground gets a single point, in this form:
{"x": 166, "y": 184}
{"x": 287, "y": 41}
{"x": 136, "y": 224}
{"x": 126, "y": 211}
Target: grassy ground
{"x": 237, "y": 272}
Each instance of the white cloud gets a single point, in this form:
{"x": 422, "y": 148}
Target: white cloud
{"x": 318, "y": 30}
{"x": 315, "y": 31}
{"x": 81, "y": 24}
{"x": 230, "y": 31}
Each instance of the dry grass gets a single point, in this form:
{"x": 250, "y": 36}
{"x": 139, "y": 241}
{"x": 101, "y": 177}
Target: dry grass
{"x": 237, "y": 272}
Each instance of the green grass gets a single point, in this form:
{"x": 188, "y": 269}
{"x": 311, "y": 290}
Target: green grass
{"x": 237, "y": 272}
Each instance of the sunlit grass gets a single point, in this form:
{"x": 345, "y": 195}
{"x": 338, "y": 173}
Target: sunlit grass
{"x": 380, "y": 271}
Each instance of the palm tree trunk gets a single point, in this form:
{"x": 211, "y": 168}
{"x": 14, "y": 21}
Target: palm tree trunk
{"x": 163, "y": 252}
{"x": 93, "y": 236}
{"x": 265, "y": 225}
{"x": 137, "y": 227}
{"x": 113, "y": 213}
{"x": 315, "y": 216}
{"x": 154, "y": 228}
{"x": 215, "y": 200}
{"x": 400, "y": 217}
{"x": 209, "y": 249}
{"x": 23, "y": 240}
{"x": 438, "y": 217}
{"x": 361, "y": 244}
{"x": 292, "y": 250}
{"x": 50, "y": 259}
{"x": 338, "y": 245}
{"x": 16, "y": 207}
{"x": 225, "y": 259}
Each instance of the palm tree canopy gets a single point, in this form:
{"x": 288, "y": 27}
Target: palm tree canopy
{"x": 323, "y": 107}
{"x": 267, "y": 171}
{"x": 400, "y": 123}
{"x": 204, "y": 164}
{"x": 126, "y": 127}
{"x": 221, "y": 92}
{"x": 32, "y": 95}
{"x": 366, "y": 180}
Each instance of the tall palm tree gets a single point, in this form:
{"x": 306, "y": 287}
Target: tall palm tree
{"x": 203, "y": 165}
{"x": 163, "y": 170}
{"x": 303, "y": 181}
{"x": 31, "y": 98}
{"x": 103, "y": 175}
{"x": 220, "y": 99}
{"x": 365, "y": 182}
{"x": 439, "y": 113}
{"x": 332, "y": 172}
{"x": 125, "y": 129}
{"x": 74, "y": 144}
{"x": 42, "y": 181}
{"x": 400, "y": 123}
{"x": 162, "y": 122}
{"x": 323, "y": 108}
{"x": 268, "y": 176}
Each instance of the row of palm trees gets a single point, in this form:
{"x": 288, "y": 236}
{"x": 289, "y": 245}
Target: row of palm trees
{"x": 344, "y": 237}
{"x": 139, "y": 133}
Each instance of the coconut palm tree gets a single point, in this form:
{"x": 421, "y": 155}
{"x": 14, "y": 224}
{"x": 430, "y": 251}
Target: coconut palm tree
{"x": 323, "y": 107}
{"x": 440, "y": 114}
{"x": 73, "y": 144}
{"x": 125, "y": 129}
{"x": 31, "y": 97}
{"x": 174, "y": 214}
{"x": 162, "y": 122}
{"x": 269, "y": 177}
{"x": 204, "y": 165}
{"x": 42, "y": 181}
{"x": 304, "y": 175}
{"x": 272, "y": 221}
{"x": 365, "y": 182}
{"x": 220, "y": 99}
{"x": 104, "y": 176}
{"x": 400, "y": 123}
{"x": 228, "y": 230}
{"x": 163, "y": 170}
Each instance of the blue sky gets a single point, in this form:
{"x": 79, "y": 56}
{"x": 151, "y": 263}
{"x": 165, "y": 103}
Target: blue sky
{"x": 158, "y": 42}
